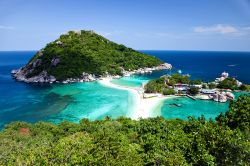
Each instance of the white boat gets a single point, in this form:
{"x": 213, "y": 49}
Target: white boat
{"x": 127, "y": 75}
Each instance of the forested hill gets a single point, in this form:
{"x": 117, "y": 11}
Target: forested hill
{"x": 85, "y": 51}
{"x": 155, "y": 141}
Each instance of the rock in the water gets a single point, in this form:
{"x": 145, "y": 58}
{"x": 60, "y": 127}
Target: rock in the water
{"x": 43, "y": 77}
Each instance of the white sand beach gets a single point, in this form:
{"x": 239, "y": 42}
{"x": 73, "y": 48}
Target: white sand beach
{"x": 142, "y": 108}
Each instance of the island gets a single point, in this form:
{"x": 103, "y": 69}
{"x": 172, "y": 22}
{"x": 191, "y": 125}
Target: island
{"x": 80, "y": 56}
{"x": 219, "y": 90}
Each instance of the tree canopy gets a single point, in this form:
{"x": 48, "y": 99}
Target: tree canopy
{"x": 228, "y": 83}
{"x": 165, "y": 84}
{"x": 238, "y": 115}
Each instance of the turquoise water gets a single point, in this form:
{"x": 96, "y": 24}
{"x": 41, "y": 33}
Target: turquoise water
{"x": 189, "y": 107}
{"x": 92, "y": 101}
{"x": 70, "y": 102}
{"x": 133, "y": 81}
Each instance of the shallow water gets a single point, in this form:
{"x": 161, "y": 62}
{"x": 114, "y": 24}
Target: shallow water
{"x": 92, "y": 101}
{"x": 189, "y": 107}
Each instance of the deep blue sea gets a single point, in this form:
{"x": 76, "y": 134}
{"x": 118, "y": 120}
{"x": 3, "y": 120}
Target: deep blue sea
{"x": 55, "y": 103}
{"x": 207, "y": 65}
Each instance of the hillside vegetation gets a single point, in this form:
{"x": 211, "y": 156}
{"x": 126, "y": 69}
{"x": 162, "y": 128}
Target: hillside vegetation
{"x": 85, "y": 51}
{"x": 165, "y": 84}
{"x": 154, "y": 141}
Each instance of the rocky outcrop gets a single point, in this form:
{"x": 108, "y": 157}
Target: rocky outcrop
{"x": 230, "y": 96}
{"x": 164, "y": 66}
{"x": 22, "y": 73}
{"x": 43, "y": 77}
{"x": 55, "y": 61}
{"x": 88, "y": 77}
{"x": 37, "y": 63}
{"x": 84, "y": 78}
{"x": 40, "y": 53}
{"x": 222, "y": 96}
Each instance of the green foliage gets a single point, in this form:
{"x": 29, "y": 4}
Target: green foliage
{"x": 244, "y": 87}
{"x": 238, "y": 115}
{"x": 91, "y": 53}
{"x": 231, "y": 83}
{"x": 162, "y": 85}
{"x": 156, "y": 86}
{"x": 228, "y": 83}
{"x": 153, "y": 141}
{"x": 195, "y": 82}
{"x": 212, "y": 85}
{"x": 159, "y": 86}
{"x": 168, "y": 91}
{"x": 178, "y": 78}
{"x": 193, "y": 90}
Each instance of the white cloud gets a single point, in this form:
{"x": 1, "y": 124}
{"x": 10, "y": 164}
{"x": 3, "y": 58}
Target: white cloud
{"x": 6, "y": 27}
{"x": 219, "y": 28}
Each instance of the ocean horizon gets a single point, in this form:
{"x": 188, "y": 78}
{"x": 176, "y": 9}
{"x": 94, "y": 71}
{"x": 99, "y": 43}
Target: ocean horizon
{"x": 55, "y": 103}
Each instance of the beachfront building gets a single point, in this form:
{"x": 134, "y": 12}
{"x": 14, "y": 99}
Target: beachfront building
{"x": 208, "y": 91}
{"x": 197, "y": 86}
{"x": 181, "y": 87}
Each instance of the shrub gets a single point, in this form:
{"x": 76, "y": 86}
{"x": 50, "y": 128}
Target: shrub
{"x": 238, "y": 115}
{"x": 193, "y": 90}
{"x": 228, "y": 83}
{"x": 168, "y": 91}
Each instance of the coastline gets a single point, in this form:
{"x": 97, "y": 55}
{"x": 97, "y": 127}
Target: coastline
{"x": 21, "y": 75}
{"x": 142, "y": 108}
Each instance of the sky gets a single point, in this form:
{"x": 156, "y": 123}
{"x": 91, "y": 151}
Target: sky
{"x": 211, "y": 25}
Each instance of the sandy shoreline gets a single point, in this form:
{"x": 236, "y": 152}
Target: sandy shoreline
{"x": 142, "y": 108}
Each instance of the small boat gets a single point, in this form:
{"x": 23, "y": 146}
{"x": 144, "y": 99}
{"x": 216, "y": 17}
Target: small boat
{"x": 175, "y": 104}
{"x": 178, "y": 105}
{"x": 179, "y": 71}
{"x": 127, "y": 75}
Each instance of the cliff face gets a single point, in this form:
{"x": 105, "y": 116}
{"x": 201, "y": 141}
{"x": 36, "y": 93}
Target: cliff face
{"x": 82, "y": 56}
